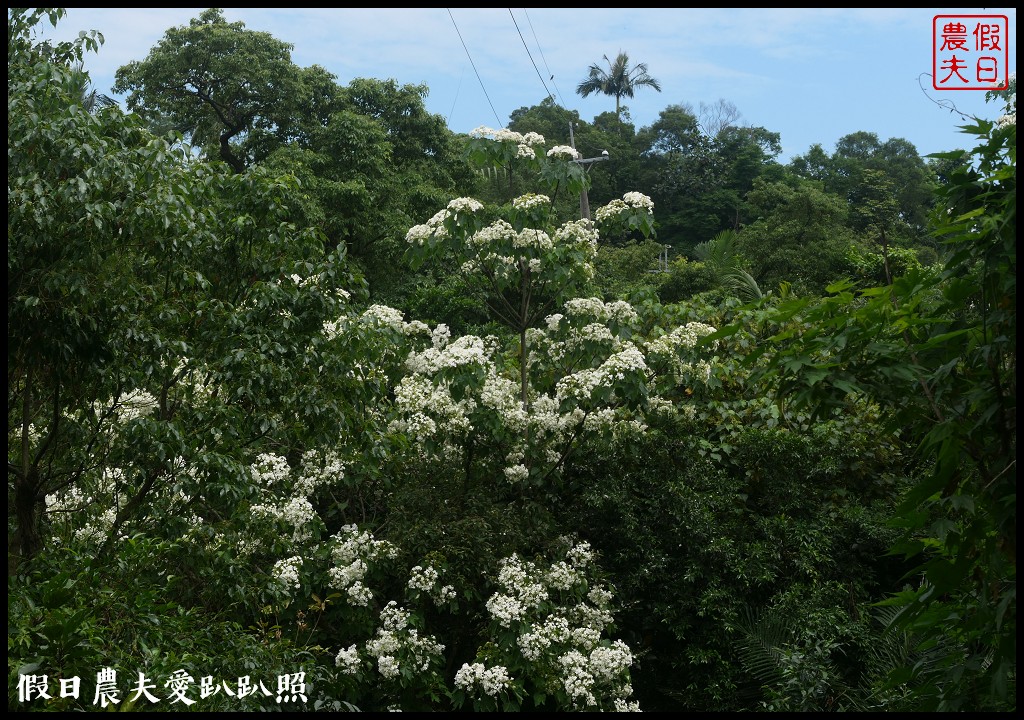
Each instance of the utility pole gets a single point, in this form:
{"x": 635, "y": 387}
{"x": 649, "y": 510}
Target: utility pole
{"x": 662, "y": 260}
{"x": 586, "y": 163}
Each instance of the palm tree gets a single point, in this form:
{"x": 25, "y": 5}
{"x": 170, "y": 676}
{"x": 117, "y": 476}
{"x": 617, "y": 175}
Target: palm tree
{"x": 618, "y": 81}
{"x": 725, "y": 261}
{"x": 91, "y": 99}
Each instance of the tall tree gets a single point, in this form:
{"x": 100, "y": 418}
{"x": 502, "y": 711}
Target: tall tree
{"x": 935, "y": 353}
{"x": 218, "y": 81}
{"x": 716, "y": 117}
{"x": 618, "y": 81}
{"x": 800, "y": 236}
{"x": 132, "y": 269}
{"x": 848, "y": 173}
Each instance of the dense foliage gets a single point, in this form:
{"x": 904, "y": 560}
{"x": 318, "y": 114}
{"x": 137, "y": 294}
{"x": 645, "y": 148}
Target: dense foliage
{"x": 510, "y": 459}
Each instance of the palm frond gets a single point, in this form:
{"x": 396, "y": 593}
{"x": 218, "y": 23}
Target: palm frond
{"x": 720, "y": 254}
{"x": 762, "y": 641}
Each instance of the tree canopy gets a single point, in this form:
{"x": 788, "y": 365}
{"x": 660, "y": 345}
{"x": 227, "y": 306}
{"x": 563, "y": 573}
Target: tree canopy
{"x": 735, "y": 444}
{"x": 219, "y": 83}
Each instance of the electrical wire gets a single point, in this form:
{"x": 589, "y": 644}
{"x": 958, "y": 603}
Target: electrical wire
{"x": 549, "y": 94}
{"x": 457, "y": 90}
{"x": 474, "y": 67}
{"x": 546, "y": 68}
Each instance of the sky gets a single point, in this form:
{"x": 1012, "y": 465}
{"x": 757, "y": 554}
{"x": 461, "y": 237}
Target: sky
{"x": 812, "y": 75}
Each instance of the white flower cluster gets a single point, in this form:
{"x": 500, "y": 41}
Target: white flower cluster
{"x": 501, "y": 395}
{"x": 591, "y": 308}
{"x": 517, "y": 473}
{"x": 615, "y": 424}
{"x": 611, "y": 210}
{"x": 580, "y": 386}
{"x": 425, "y": 579}
{"x": 562, "y": 576}
{"x": 71, "y": 500}
{"x": 575, "y": 626}
{"x": 95, "y": 533}
{"x": 534, "y": 642}
{"x": 621, "y": 312}
{"x": 577, "y": 680}
{"x": 588, "y": 664}
{"x": 521, "y": 594}
{"x": 670, "y": 350}
{"x": 491, "y": 680}
{"x": 88, "y": 514}
{"x": 604, "y": 666}
{"x": 287, "y": 571}
{"x": 352, "y": 553}
{"x": 530, "y": 200}
{"x": 128, "y": 406}
{"x": 298, "y": 512}
{"x": 525, "y": 144}
{"x": 466, "y": 350}
{"x": 1007, "y": 120}
{"x": 319, "y": 469}
{"x": 414, "y": 328}
{"x": 396, "y": 639}
{"x": 549, "y": 427}
{"x": 136, "y": 404}
{"x": 579, "y": 235}
{"x": 435, "y": 226}
{"x": 529, "y": 139}
{"x": 348, "y": 660}
{"x": 384, "y": 315}
{"x": 564, "y": 152}
{"x": 630, "y": 203}
{"x": 505, "y": 135}
{"x": 638, "y": 200}
{"x": 421, "y": 578}
{"x": 420, "y": 234}
{"x": 428, "y": 409}
{"x": 588, "y": 339}
{"x": 560, "y": 632}
{"x": 525, "y": 151}
{"x": 498, "y": 234}
{"x": 270, "y": 471}
{"x": 335, "y": 328}
{"x": 532, "y": 239}
{"x": 506, "y": 609}
{"x": 580, "y": 556}
{"x": 465, "y": 205}
{"x": 440, "y": 336}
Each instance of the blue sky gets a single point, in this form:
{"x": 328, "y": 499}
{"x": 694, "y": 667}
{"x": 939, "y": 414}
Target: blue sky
{"x": 812, "y": 75}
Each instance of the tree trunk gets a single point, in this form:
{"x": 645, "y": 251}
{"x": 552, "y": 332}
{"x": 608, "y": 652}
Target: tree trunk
{"x": 27, "y": 540}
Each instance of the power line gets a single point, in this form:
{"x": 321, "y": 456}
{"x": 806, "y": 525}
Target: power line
{"x": 541, "y": 51}
{"x": 474, "y": 67}
{"x": 459, "y": 88}
{"x": 529, "y": 54}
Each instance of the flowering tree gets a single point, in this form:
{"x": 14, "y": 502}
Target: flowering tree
{"x": 527, "y": 266}
{"x": 241, "y": 467}
{"x": 508, "y": 151}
